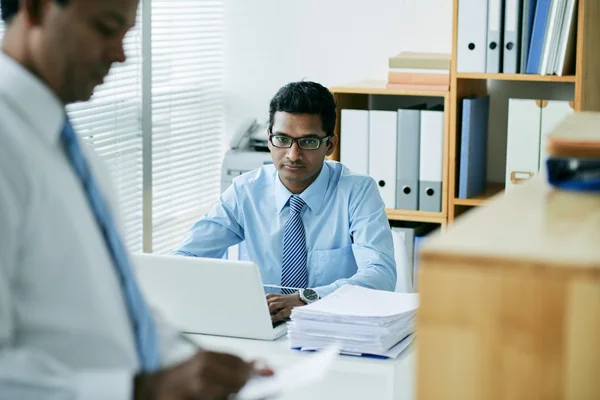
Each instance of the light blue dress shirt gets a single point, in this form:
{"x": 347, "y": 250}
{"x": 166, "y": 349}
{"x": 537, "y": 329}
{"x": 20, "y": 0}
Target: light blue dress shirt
{"x": 348, "y": 236}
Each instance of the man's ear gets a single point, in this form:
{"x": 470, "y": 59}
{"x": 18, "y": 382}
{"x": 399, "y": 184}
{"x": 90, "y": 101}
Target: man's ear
{"x": 332, "y": 143}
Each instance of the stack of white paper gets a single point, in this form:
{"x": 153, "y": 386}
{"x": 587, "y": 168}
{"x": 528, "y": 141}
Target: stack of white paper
{"x": 361, "y": 320}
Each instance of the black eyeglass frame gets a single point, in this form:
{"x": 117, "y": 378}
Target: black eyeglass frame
{"x": 297, "y": 141}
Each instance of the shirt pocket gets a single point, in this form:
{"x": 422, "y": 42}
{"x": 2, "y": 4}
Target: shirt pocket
{"x": 327, "y": 266}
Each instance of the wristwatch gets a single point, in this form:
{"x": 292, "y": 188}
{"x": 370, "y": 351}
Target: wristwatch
{"x": 308, "y": 295}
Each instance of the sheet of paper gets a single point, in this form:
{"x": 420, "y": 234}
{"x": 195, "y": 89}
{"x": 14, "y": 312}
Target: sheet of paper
{"x": 307, "y": 372}
{"x": 356, "y": 301}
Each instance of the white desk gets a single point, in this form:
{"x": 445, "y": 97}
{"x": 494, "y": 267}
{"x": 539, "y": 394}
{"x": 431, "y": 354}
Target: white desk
{"x": 350, "y": 378}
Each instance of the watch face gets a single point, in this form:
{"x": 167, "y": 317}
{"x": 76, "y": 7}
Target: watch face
{"x": 310, "y": 295}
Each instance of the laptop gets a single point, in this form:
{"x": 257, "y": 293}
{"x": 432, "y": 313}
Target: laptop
{"x": 207, "y": 296}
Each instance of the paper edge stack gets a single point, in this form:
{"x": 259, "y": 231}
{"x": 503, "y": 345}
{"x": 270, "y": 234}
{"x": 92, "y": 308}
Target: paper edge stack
{"x": 404, "y": 325}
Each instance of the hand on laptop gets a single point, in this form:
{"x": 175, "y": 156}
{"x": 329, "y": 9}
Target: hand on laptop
{"x": 280, "y": 305}
{"x": 207, "y": 375}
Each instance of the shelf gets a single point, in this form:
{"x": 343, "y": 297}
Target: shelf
{"x": 379, "y": 87}
{"x": 516, "y": 77}
{"x": 416, "y": 216}
{"x": 492, "y": 190}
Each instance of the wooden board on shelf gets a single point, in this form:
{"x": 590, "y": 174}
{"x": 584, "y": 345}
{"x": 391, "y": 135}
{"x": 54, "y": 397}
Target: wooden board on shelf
{"x": 417, "y": 216}
{"x": 379, "y": 87}
{"x": 492, "y": 190}
{"x": 516, "y": 77}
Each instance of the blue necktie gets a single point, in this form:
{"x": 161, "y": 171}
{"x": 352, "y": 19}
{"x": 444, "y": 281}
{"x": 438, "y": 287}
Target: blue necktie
{"x": 139, "y": 312}
{"x": 293, "y": 272}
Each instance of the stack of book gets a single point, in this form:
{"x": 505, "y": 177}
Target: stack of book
{"x": 419, "y": 71}
{"x": 363, "y": 322}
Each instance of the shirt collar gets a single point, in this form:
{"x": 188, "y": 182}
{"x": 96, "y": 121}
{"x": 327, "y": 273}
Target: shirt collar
{"x": 32, "y": 98}
{"x": 313, "y": 195}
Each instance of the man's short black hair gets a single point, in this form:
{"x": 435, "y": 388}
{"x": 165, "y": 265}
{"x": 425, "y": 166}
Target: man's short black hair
{"x": 10, "y": 8}
{"x": 305, "y": 98}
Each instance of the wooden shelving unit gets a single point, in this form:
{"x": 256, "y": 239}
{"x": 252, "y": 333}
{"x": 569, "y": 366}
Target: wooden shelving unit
{"x": 586, "y": 97}
{"x": 417, "y": 216}
{"x": 585, "y": 84}
{"x": 379, "y": 88}
{"x": 356, "y": 96}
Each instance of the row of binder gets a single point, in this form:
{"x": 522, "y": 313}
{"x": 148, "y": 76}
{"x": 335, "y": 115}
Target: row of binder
{"x": 516, "y": 36}
{"x": 402, "y": 150}
{"x": 529, "y": 123}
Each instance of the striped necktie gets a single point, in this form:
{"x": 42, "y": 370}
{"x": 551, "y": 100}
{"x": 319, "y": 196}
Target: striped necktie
{"x": 139, "y": 312}
{"x": 293, "y": 272}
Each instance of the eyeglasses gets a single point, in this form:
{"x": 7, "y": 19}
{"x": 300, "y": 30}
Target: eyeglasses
{"x": 284, "y": 142}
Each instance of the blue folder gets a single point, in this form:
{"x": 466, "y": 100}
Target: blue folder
{"x": 536, "y": 46}
{"x": 473, "y": 148}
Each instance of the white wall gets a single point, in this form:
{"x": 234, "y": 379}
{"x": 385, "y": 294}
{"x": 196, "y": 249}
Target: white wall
{"x": 273, "y": 42}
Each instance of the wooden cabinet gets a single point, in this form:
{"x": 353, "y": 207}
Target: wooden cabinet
{"x": 510, "y": 300}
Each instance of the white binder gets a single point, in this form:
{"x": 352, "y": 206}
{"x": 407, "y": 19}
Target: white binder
{"x": 472, "y": 35}
{"x": 382, "y": 153}
{"x": 523, "y": 141}
{"x": 354, "y": 140}
{"x": 512, "y": 36}
{"x": 431, "y": 161}
{"x": 494, "y": 37}
{"x": 553, "y": 112}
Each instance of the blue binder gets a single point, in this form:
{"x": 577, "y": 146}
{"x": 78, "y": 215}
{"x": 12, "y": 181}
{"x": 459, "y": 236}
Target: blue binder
{"x": 536, "y": 46}
{"x": 473, "y": 147}
{"x": 527, "y": 28}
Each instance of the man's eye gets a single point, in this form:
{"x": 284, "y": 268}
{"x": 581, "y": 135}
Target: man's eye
{"x": 284, "y": 139}
{"x": 105, "y": 30}
{"x": 310, "y": 142}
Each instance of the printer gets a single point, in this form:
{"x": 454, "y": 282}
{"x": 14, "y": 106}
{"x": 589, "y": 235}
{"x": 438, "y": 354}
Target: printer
{"x": 248, "y": 151}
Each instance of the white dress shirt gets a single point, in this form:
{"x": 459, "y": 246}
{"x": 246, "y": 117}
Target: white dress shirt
{"x": 64, "y": 327}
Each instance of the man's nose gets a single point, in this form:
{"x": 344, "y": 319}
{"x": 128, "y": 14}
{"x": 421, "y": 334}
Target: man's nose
{"x": 116, "y": 52}
{"x": 293, "y": 152}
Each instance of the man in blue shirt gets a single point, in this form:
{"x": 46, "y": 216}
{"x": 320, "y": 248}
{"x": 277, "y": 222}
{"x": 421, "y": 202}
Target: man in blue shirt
{"x": 307, "y": 222}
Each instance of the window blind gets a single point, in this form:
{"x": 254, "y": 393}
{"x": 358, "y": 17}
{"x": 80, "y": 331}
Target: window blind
{"x": 187, "y": 114}
{"x": 187, "y": 65}
{"x": 111, "y": 123}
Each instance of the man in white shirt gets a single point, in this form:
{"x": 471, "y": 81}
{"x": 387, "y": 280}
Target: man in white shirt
{"x": 73, "y": 324}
